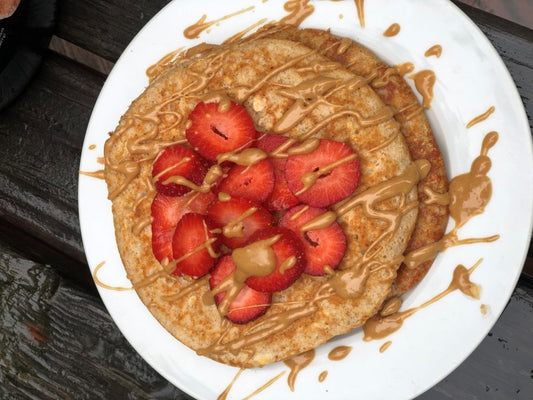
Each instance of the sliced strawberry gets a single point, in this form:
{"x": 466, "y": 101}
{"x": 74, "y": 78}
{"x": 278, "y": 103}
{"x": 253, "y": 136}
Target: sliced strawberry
{"x": 166, "y": 213}
{"x": 249, "y": 304}
{"x": 289, "y": 245}
{"x": 178, "y": 161}
{"x": 190, "y": 245}
{"x": 255, "y": 182}
{"x": 223, "y": 213}
{"x": 322, "y": 246}
{"x": 281, "y": 197}
{"x": 213, "y": 131}
{"x": 330, "y": 187}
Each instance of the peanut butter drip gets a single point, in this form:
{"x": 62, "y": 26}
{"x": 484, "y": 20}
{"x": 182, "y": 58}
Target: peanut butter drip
{"x": 247, "y": 157}
{"x": 392, "y": 30}
{"x": 155, "y": 69}
{"x": 385, "y": 346}
{"x": 296, "y": 364}
{"x": 299, "y": 10}
{"x": 481, "y": 117}
{"x": 194, "y": 30}
{"x": 309, "y": 178}
{"x": 434, "y": 51}
{"x": 391, "y": 306}
{"x": 467, "y": 197}
{"x": 226, "y": 391}
{"x": 379, "y": 327}
{"x": 265, "y": 386}
{"x": 255, "y": 259}
{"x": 424, "y": 82}
{"x": 339, "y": 353}
{"x": 239, "y": 35}
{"x": 187, "y": 290}
{"x": 383, "y": 78}
{"x": 360, "y": 7}
{"x": 323, "y": 375}
{"x": 223, "y": 196}
{"x": 94, "y": 174}
{"x": 235, "y": 228}
{"x": 276, "y": 323}
{"x": 484, "y": 309}
{"x": 105, "y": 286}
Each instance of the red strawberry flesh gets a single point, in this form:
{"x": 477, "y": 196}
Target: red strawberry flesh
{"x": 248, "y": 305}
{"x": 178, "y": 161}
{"x": 229, "y": 215}
{"x": 287, "y": 247}
{"x": 281, "y": 197}
{"x": 330, "y": 187}
{"x": 167, "y": 212}
{"x": 191, "y": 243}
{"x": 324, "y": 246}
{"x": 255, "y": 182}
{"x": 215, "y": 130}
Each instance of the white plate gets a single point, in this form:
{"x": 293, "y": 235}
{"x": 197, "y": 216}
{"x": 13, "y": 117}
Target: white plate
{"x": 470, "y": 78}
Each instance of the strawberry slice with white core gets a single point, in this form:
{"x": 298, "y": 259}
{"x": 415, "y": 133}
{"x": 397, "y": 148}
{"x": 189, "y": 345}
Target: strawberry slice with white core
{"x": 323, "y": 247}
{"x": 281, "y": 197}
{"x": 177, "y": 162}
{"x": 194, "y": 245}
{"x": 255, "y": 182}
{"x": 248, "y": 305}
{"x": 215, "y": 130}
{"x": 238, "y": 218}
{"x": 324, "y": 176}
{"x": 167, "y": 212}
{"x": 290, "y": 260}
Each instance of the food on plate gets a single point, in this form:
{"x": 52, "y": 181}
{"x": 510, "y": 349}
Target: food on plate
{"x": 264, "y": 194}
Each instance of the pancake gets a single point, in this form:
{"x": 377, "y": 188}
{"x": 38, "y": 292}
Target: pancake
{"x": 266, "y": 75}
{"x": 397, "y": 94}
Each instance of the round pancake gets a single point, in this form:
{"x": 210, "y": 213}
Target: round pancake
{"x": 265, "y": 75}
{"x": 397, "y": 94}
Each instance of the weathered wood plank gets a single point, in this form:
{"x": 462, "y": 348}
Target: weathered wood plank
{"x": 41, "y": 139}
{"x": 58, "y": 342}
{"x": 104, "y": 27}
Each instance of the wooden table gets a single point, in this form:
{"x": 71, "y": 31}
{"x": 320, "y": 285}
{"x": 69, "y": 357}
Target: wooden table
{"x": 56, "y": 338}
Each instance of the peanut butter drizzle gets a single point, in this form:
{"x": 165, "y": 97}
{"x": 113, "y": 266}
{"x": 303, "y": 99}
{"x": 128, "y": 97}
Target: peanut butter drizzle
{"x": 185, "y": 291}
{"x": 194, "y": 30}
{"x": 274, "y": 324}
{"x": 288, "y": 263}
{"x": 435, "y": 50}
{"x": 92, "y": 147}
{"x": 323, "y": 375}
{"x": 467, "y": 197}
{"x": 101, "y": 284}
{"x": 380, "y": 327}
{"x": 223, "y": 196}
{"x": 94, "y": 174}
{"x": 265, "y": 386}
{"x": 182, "y": 161}
{"x": 360, "y": 6}
{"x": 411, "y": 111}
{"x": 296, "y": 364}
{"x": 299, "y": 10}
{"x": 385, "y": 346}
{"x": 309, "y": 178}
{"x": 235, "y": 228}
{"x": 383, "y": 79}
{"x": 247, "y": 157}
{"x": 339, "y": 353}
{"x": 484, "y": 309}
{"x": 392, "y": 30}
{"x": 391, "y": 306}
{"x": 424, "y": 82}
{"x": 226, "y": 391}
{"x": 297, "y": 214}
{"x": 238, "y": 36}
{"x": 481, "y": 117}
{"x": 155, "y": 69}
{"x": 370, "y": 199}
{"x": 140, "y": 224}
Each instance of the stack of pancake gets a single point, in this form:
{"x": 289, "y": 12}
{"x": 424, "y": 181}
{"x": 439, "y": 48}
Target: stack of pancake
{"x": 369, "y": 106}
